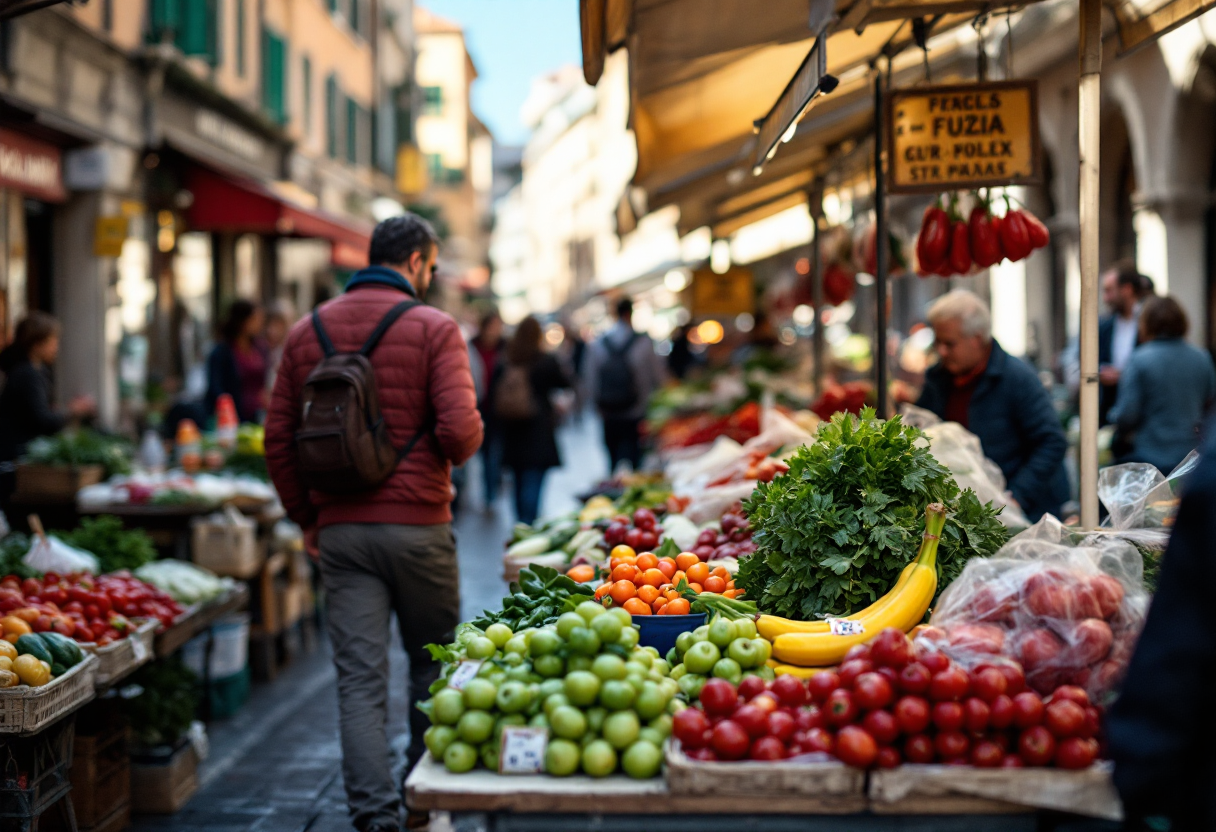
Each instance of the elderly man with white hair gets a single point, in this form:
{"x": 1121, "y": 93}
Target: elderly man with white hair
{"x": 1000, "y": 399}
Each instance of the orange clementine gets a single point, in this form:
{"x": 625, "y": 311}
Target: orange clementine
{"x": 721, "y": 572}
{"x": 635, "y": 606}
{"x": 582, "y": 573}
{"x": 622, "y": 591}
{"x": 679, "y": 576}
{"x": 667, "y": 566}
{"x": 686, "y": 559}
{"x": 653, "y": 577}
{"x": 696, "y": 588}
{"x": 648, "y": 593}
{"x": 647, "y": 560}
{"x": 602, "y": 590}
{"x": 677, "y": 606}
{"x": 697, "y": 573}
{"x": 658, "y": 605}
{"x": 671, "y": 593}
{"x": 714, "y": 584}
{"x": 622, "y": 551}
{"x": 732, "y": 593}
{"x": 730, "y": 584}
{"x": 623, "y": 572}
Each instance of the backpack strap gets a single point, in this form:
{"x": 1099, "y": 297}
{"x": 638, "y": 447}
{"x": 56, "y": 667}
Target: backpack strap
{"x": 623, "y": 349}
{"x": 327, "y": 346}
{"x": 385, "y": 322}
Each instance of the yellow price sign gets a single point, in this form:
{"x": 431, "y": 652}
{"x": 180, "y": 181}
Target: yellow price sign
{"x": 966, "y": 136}
{"x": 108, "y": 236}
{"x": 731, "y": 293}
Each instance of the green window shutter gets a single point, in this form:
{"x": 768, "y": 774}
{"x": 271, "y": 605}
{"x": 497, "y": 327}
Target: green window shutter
{"x": 306, "y": 93}
{"x": 352, "y": 131}
{"x": 333, "y": 6}
{"x": 198, "y": 30}
{"x": 164, "y": 17}
{"x": 331, "y": 116}
{"x": 274, "y": 76}
{"x": 432, "y": 100}
{"x": 401, "y": 111}
{"x": 240, "y": 38}
{"x": 355, "y": 15}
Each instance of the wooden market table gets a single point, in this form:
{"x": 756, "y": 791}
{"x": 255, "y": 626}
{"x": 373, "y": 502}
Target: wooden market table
{"x": 483, "y": 800}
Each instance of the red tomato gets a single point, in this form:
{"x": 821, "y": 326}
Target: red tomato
{"x": 1012, "y": 761}
{"x": 987, "y": 754}
{"x": 819, "y": 739}
{"x": 789, "y": 690}
{"x": 891, "y": 648}
{"x": 1001, "y": 712}
{"x": 31, "y": 586}
{"x": 718, "y": 697}
{"x": 935, "y": 660}
{"x": 1015, "y": 678}
{"x": 858, "y": 651}
{"x": 751, "y": 719}
{"x": 976, "y": 715}
{"x": 918, "y": 748}
{"x": 644, "y": 518}
{"x": 882, "y": 726}
{"x": 704, "y": 755}
{"x": 1093, "y": 722}
{"x": 949, "y": 716}
{"x": 781, "y": 724}
{"x": 689, "y": 727}
{"x": 949, "y": 685}
{"x": 841, "y": 709}
{"x": 872, "y": 691}
{"x": 752, "y": 686}
{"x": 809, "y": 717}
{"x": 1072, "y": 693}
{"x": 729, "y": 741}
{"x": 889, "y": 757}
{"x": 1037, "y": 746}
{"x": 1027, "y": 709}
{"x": 912, "y": 713}
{"x": 766, "y": 702}
{"x": 634, "y": 539}
{"x": 821, "y": 685}
{"x": 988, "y": 683}
{"x": 951, "y": 744}
{"x": 1064, "y": 718}
{"x": 914, "y": 678}
{"x": 1076, "y": 753}
{"x": 1109, "y": 594}
{"x": 852, "y": 668}
{"x": 768, "y": 748}
{"x": 855, "y": 747}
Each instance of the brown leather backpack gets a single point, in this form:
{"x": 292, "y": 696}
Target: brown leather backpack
{"x": 343, "y": 445}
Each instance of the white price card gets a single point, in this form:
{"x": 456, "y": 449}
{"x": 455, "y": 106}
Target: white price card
{"x": 465, "y": 672}
{"x": 845, "y": 627}
{"x": 522, "y": 750}
{"x": 139, "y": 649}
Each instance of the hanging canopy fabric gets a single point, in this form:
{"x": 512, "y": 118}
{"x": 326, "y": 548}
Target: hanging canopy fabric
{"x": 1142, "y": 21}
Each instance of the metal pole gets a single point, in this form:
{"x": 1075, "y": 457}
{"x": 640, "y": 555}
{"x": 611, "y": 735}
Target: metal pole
{"x": 1089, "y": 98}
{"x": 883, "y": 252}
{"x": 815, "y": 205}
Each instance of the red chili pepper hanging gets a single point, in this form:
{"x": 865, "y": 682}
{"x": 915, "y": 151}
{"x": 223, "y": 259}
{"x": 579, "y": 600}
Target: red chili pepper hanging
{"x": 960, "y": 248}
{"x": 1015, "y": 237}
{"x": 1039, "y": 236}
{"x": 838, "y": 284}
{"x": 933, "y": 245}
{"x": 985, "y": 242}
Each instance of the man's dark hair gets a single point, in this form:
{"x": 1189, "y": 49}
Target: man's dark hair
{"x": 1126, "y": 274}
{"x": 239, "y": 314}
{"x": 396, "y": 239}
{"x": 1163, "y": 317}
{"x": 624, "y": 309}
{"x": 1147, "y": 287}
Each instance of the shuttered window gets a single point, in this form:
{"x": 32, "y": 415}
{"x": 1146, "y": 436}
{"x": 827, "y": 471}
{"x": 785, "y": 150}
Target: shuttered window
{"x": 240, "y": 38}
{"x": 274, "y": 76}
{"x": 332, "y": 94}
{"x": 352, "y": 131}
{"x": 306, "y": 94}
{"x": 192, "y": 25}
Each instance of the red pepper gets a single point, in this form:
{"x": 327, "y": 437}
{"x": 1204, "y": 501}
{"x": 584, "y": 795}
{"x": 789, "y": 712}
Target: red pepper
{"x": 933, "y": 242}
{"x": 960, "y": 248}
{"x": 838, "y": 284}
{"x": 985, "y": 242}
{"x": 1039, "y": 236}
{"x": 1015, "y": 237}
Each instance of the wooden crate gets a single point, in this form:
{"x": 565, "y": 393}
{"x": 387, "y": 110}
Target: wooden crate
{"x": 101, "y": 782}
{"x": 120, "y": 658}
{"x": 163, "y": 786}
{"x": 54, "y": 483}
{"x": 26, "y": 710}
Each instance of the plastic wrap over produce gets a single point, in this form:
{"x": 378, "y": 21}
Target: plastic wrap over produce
{"x": 1142, "y": 501}
{"x": 1068, "y": 614}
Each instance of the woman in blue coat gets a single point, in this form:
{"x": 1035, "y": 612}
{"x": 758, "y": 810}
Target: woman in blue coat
{"x": 1165, "y": 390}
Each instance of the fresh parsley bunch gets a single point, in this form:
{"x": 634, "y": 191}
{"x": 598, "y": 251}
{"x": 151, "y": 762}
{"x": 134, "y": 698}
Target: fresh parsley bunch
{"x": 833, "y": 534}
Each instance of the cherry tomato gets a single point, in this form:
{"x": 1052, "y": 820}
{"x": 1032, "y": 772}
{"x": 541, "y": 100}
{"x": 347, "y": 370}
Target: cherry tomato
{"x": 918, "y": 748}
{"x": 948, "y": 716}
{"x": 841, "y": 709}
{"x": 949, "y": 685}
{"x": 913, "y": 714}
{"x": 872, "y": 691}
{"x": 1036, "y": 746}
{"x": 882, "y": 726}
{"x": 855, "y": 747}
{"x": 914, "y": 678}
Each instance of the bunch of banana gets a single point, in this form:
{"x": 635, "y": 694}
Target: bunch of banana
{"x": 810, "y": 644}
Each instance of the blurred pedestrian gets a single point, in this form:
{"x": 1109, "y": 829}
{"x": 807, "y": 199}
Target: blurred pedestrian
{"x": 1118, "y": 331}
{"x": 1000, "y": 399}
{"x": 279, "y": 319}
{"x": 1160, "y": 729}
{"x": 485, "y": 351}
{"x": 681, "y": 359}
{"x": 26, "y": 410}
{"x": 622, "y": 373}
{"x": 521, "y": 392}
{"x": 389, "y": 549}
{"x": 1166, "y": 389}
{"x": 238, "y": 363}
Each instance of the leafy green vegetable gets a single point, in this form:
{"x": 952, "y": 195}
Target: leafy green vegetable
{"x": 833, "y": 534}
{"x": 13, "y": 549}
{"x": 169, "y": 696}
{"x": 115, "y": 546}
{"x": 82, "y": 447}
{"x": 253, "y": 465}
{"x": 537, "y": 598}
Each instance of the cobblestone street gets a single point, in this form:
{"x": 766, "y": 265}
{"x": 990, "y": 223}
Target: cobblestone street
{"x": 276, "y": 765}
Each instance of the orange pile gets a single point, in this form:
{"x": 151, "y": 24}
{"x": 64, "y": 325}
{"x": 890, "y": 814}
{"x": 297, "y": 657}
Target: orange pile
{"x": 646, "y": 585}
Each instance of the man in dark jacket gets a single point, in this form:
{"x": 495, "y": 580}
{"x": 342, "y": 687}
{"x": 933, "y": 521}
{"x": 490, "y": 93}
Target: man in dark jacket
{"x": 1118, "y": 332}
{"x": 998, "y": 398}
{"x": 388, "y": 550}
{"x": 1162, "y": 726}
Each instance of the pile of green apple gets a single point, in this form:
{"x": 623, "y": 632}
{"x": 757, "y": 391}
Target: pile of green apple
{"x": 723, "y": 649}
{"x": 606, "y": 702}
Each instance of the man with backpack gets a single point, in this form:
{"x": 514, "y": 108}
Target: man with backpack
{"x": 373, "y": 404}
{"x": 622, "y": 372}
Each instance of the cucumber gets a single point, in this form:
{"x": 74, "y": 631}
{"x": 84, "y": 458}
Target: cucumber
{"x": 33, "y": 645}
{"x": 65, "y": 650}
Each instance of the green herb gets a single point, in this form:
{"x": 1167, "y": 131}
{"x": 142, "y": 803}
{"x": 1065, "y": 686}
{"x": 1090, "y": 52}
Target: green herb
{"x": 162, "y": 712}
{"x": 82, "y": 447}
{"x": 833, "y": 534}
{"x": 253, "y": 465}
{"x": 13, "y": 549}
{"x": 115, "y": 546}
{"x": 537, "y": 598}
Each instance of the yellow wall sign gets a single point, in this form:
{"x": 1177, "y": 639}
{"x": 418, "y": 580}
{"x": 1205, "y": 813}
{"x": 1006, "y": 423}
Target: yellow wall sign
{"x": 109, "y": 235}
{"x": 722, "y": 294}
{"x": 966, "y": 136}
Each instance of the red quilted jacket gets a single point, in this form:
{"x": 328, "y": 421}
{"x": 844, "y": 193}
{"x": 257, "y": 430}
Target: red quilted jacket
{"x": 421, "y": 364}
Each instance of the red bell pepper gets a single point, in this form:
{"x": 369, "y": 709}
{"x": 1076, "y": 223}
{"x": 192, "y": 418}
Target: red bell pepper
{"x": 1015, "y": 237}
{"x": 933, "y": 242}
{"x": 1039, "y": 236}
{"x": 960, "y": 248}
{"x": 985, "y": 242}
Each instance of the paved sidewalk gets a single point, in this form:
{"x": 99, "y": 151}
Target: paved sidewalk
{"x": 276, "y": 765}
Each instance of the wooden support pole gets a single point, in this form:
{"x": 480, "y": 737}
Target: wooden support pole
{"x": 883, "y": 251}
{"x": 1089, "y": 116}
{"x": 818, "y": 353}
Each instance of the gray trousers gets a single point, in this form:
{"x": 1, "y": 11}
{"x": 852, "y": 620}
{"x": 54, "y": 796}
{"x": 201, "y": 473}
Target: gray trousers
{"x": 369, "y": 572}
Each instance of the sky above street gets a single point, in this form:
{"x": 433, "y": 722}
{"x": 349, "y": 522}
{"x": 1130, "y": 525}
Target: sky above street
{"x": 512, "y": 41}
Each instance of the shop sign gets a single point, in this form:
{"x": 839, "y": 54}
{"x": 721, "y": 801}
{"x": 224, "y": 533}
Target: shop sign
{"x": 966, "y": 136}
{"x": 730, "y": 293}
{"x": 208, "y": 134}
{"x": 108, "y": 236}
{"x": 32, "y": 167}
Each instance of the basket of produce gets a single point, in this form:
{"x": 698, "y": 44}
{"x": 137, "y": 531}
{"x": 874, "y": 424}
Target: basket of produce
{"x": 54, "y": 468}
{"x": 33, "y": 696}
{"x": 120, "y": 657}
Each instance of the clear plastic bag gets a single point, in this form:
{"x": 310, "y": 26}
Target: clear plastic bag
{"x": 1068, "y": 614}
{"x": 1142, "y": 501}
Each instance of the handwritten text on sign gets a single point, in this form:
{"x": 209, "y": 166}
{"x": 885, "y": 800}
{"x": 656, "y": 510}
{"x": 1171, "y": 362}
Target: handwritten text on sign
{"x": 948, "y": 138}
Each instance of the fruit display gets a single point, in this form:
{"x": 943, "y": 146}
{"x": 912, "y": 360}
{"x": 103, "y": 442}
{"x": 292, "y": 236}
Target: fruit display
{"x": 640, "y": 532}
{"x": 539, "y": 596}
{"x": 646, "y": 584}
{"x": 732, "y": 539}
{"x": 34, "y": 659}
{"x": 722, "y": 649}
{"x": 891, "y": 702}
{"x": 949, "y": 245}
{"x": 1070, "y": 615}
{"x": 605, "y": 702}
{"x": 833, "y": 535}
{"x": 83, "y": 607}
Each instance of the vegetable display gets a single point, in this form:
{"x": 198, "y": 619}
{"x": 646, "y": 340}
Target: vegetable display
{"x": 950, "y": 245}
{"x": 83, "y": 607}
{"x": 646, "y": 584}
{"x": 83, "y": 446}
{"x": 539, "y": 596}
{"x": 184, "y": 582}
{"x": 115, "y": 546}
{"x": 34, "y": 659}
{"x": 722, "y": 649}
{"x": 833, "y": 535}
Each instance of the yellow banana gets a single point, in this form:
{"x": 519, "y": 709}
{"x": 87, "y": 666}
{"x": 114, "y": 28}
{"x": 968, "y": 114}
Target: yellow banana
{"x": 793, "y": 670}
{"x": 905, "y": 610}
{"x": 771, "y": 626}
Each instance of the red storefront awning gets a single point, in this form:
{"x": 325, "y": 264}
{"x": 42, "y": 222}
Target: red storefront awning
{"x": 244, "y": 206}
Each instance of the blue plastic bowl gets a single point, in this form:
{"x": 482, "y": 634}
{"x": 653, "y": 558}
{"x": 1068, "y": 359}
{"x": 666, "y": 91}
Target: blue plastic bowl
{"x": 661, "y": 631}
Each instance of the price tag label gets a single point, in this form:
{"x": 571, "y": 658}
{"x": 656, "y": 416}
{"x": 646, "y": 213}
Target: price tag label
{"x": 522, "y": 750}
{"x": 139, "y": 649}
{"x": 465, "y": 672}
{"x": 845, "y": 627}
